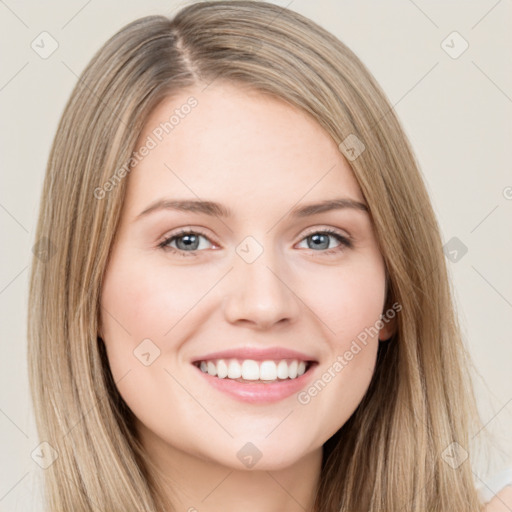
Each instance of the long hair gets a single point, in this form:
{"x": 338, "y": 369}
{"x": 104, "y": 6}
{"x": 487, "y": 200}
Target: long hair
{"x": 389, "y": 455}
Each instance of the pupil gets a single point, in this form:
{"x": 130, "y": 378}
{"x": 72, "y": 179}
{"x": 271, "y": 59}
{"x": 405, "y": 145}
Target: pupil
{"x": 318, "y": 243}
{"x": 188, "y": 242}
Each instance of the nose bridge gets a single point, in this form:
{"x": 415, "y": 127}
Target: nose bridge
{"x": 257, "y": 290}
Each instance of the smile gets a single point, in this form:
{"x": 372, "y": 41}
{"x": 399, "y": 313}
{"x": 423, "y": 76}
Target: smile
{"x": 257, "y": 382}
{"x": 249, "y": 370}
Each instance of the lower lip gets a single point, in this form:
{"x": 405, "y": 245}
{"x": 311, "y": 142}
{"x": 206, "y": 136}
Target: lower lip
{"x": 259, "y": 392}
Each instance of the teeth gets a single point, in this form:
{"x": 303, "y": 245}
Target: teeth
{"x": 292, "y": 369}
{"x": 282, "y": 370}
{"x": 234, "y": 370}
{"x": 222, "y": 369}
{"x": 212, "y": 369}
{"x": 249, "y": 369}
{"x": 268, "y": 370}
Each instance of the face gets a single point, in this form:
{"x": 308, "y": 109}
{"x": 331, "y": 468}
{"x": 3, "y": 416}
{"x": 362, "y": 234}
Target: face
{"x": 262, "y": 278}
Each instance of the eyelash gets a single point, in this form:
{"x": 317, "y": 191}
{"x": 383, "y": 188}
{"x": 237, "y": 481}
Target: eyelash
{"x": 345, "y": 243}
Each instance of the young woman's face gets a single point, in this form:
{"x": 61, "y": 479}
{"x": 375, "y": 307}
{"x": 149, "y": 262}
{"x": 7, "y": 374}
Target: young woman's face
{"x": 261, "y": 278}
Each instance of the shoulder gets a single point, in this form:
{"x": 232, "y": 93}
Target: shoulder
{"x": 497, "y": 493}
{"x": 502, "y": 502}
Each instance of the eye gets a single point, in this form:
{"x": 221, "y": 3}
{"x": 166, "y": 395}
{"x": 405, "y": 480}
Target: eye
{"x": 187, "y": 241}
{"x": 320, "y": 240}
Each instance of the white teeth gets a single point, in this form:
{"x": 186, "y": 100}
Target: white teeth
{"x": 212, "y": 368}
{"x": 268, "y": 370}
{"x": 292, "y": 369}
{"x": 222, "y": 369}
{"x": 249, "y": 369}
{"x": 282, "y": 370}
{"x": 234, "y": 370}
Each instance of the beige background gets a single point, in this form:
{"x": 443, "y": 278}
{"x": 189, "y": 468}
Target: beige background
{"x": 456, "y": 111}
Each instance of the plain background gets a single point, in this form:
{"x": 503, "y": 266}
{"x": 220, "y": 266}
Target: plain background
{"x": 456, "y": 112}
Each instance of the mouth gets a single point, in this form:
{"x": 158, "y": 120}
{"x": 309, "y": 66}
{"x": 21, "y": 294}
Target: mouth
{"x": 252, "y": 371}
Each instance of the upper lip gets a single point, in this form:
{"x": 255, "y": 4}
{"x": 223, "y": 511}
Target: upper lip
{"x": 256, "y": 354}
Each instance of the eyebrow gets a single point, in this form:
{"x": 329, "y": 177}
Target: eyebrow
{"x": 218, "y": 210}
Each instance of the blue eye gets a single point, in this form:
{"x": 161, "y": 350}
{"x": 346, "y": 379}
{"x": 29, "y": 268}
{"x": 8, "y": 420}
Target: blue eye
{"x": 188, "y": 242}
{"x": 320, "y": 238}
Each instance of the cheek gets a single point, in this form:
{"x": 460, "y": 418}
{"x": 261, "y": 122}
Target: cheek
{"x": 142, "y": 301}
{"x": 144, "y": 318}
{"x": 346, "y": 300}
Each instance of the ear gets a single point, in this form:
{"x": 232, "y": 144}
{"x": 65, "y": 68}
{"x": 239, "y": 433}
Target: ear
{"x": 389, "y": 315}
{"x": 389, "y": 328}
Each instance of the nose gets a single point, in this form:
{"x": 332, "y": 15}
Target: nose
{"x": 259, "y": 294}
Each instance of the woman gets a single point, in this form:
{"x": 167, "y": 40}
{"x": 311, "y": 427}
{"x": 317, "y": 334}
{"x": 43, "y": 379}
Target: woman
{"x": 193, "y": 345}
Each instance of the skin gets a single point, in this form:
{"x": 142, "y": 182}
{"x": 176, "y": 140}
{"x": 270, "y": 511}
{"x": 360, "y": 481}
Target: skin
{"x": 260, "y": 157}
{"x": 502, "y": 502}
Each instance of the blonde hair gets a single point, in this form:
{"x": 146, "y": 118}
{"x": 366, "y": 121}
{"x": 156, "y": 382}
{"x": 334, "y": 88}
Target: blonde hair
{"x": 388, "y": 455}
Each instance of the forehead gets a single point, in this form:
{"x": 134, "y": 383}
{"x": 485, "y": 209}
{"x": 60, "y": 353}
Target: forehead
{"x": 237, "y": 146}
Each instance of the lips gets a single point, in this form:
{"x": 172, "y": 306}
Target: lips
{"x": 267, "y": 389}
{"x": 256, "y": 354}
